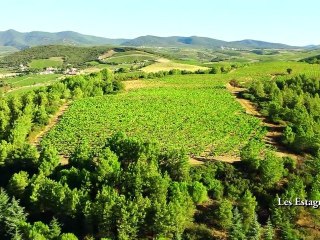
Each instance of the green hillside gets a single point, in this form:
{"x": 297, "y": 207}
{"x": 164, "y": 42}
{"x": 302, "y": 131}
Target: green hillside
{"x": 201, "y": 42}
{"x": 75, "y": 56}
{"x": 23, "y": 40}
{"x": 5, "y": 50}
{"x": 313, "y": 59}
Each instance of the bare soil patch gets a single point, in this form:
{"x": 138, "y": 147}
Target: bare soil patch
{"x": 273, "y": 136}
{"x": 54, "y": 120}
{"x": 107, "y": 54}
{"x": 136, "y": 84}
{"x": 163, "y": 64}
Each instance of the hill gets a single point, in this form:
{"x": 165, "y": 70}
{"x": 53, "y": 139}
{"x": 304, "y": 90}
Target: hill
{"x": 312, "y": 60}
{"x": 201, "y": 42}
{"x": 73, "y": 55}
{"x": 4, "y": 50}
{"x": 21, "y": 40}
{"x": 249, "y": 43}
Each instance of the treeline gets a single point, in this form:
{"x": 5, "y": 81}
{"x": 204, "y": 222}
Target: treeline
{"x": 126, "y": 190}
{"x": 130, "y": 189}
{"x": 144, "y": 75}
{"x": 295, "y": 102}
{"x": 22, "y": 114}
{"x": 75, "y": 56}
{"x": 247, "y": 198}
{"x": 312, "y": 60}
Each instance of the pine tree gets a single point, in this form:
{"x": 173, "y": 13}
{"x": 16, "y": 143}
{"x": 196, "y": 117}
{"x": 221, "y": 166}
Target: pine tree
{"x": 49, "y": 160}
{"x": 12, "y": 216}
{"x": 225, "y": 214}
{"x": 254, "y": 231}
{"x": 55, "y": 229}
{"x": 236, "y": 231}
{"x": 17, "y": 183}
{"x": 269, "y": 231}
{"x": 248, "y": 206}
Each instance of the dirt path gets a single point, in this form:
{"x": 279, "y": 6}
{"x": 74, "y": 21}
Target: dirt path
{"x": 107, "y": 54}
{"x": 273, "y": 136}
{"x": 5, "y": 75}
{"x": 35, "y": 140}
{"x": 198, "y": 160}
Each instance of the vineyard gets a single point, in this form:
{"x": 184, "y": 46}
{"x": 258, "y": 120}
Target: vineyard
{"x": 193, "y": 111}
{"x": 29, "y": 80}
{"x": 44, "y": 63}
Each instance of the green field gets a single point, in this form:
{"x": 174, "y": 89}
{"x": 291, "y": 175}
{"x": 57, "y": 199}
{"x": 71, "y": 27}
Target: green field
{"x": 130, "y": 58}
{"x": 44, "y": 63}
{"x": 267, "y": 70}
{"x": 245, "y": 56}
{"x": 6, "y": 50}
{"x": 212, "y": 155}
{"x": 195, "y": 112}
{"x": 29, "y": 80}
{"x": 167, "y": 65}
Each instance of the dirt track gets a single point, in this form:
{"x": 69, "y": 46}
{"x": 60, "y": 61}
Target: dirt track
{"x": 273, "y": 136}
{"x": 52, "y": 122}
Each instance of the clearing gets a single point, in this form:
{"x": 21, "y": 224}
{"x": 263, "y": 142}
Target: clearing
{"x": 189, "y": 111}
{"x": 44, "y": 63}
{"x": 163, "y": 64}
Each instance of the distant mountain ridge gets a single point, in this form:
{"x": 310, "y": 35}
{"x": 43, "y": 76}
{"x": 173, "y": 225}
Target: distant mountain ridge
{"x": 21, "y": 40}
{"x": 202, "y": 42}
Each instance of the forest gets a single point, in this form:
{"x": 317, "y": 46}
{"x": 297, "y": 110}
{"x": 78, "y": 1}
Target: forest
{"x": 73, "y": 55}
{"x": 294, "y": 101}
{"x": 132, "y": 188}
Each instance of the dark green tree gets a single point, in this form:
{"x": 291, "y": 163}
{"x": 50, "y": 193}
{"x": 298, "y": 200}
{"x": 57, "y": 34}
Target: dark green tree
{"x": 224, "y": 214}
{"x": 247, "y": 208}
{"x": 18, "y": 183}
{"x": 236, "y": 231}
{"x": 49, "y": 160}
{"x": 254, "y": 231}
{"x": 269, "y": 231}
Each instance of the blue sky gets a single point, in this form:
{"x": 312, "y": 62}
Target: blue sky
{"x": 293, "y": 22}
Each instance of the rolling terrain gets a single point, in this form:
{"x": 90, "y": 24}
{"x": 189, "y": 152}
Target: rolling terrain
{"x": 159, "y": 142}
{"x": 19, "y": 40}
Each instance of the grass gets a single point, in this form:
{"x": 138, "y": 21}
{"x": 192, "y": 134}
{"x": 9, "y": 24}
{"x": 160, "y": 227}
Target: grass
{"x": 267, "y": 70}
{"x": 166, "y": 65}
{"x": 130, "y": 58}
{"x": 6, "y": 50}
{"x": 28, "y": 80}
{"x": 22, "y": 90}
{"x": 132, "y": 52}
{"x": 44, "y": 63}
{"x": 191, "y": 111}
{"x": 244, "y": 56}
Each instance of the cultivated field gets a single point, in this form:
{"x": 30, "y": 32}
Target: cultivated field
{"x": 44, "y": 63}
{"x": 29, "y": 80}
{"x": 166, "y": 65}
{"x": 219, "y": 149}
{"x": 195, "y": 112}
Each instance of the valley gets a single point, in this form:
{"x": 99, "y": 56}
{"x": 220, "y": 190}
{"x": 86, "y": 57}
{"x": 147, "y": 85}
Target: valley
{"x": 158, "y": 138}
